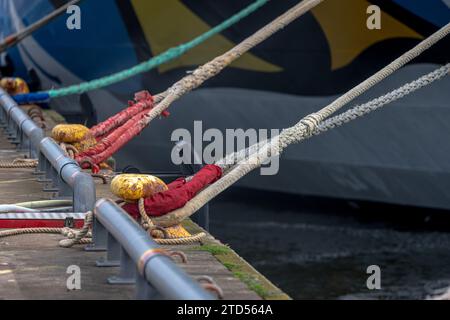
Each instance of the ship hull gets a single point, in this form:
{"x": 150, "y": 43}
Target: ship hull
{"x": 399, "y": 155}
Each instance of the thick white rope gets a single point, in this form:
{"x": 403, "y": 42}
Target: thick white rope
{"x": 377, "y": 103}
{"x": 269, "y": 149}
{"x": 232, "y": 159}
{"x": 310, "y": 122}
{"x": 19, "y": 164}
{"x": 212, "y": 68}
{"x": 200, "y": 75}
{"x": 75, "y": 237}
{"x": 149, "y": 226}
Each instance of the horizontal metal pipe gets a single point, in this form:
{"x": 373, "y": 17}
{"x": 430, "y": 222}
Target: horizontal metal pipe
{"x": 55, "y": 154}
{"x": 22, "y": 120}
{"x": 18, "y": 116}
{"x": 84, "y": 194}
{"x": 30, "y": 129}
{"x": 6, "y": 102}
{"x": 82, "y": 184}
{"x": 169, "y": 280}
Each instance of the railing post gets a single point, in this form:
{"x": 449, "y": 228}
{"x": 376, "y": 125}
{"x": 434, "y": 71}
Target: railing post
{"x": 84, "y": 196}
{"x": 82, "y": 184}
{"x": 157, "y": 276}
{"x": 52, "y": 178}
{"x": 46, "y": 167}
{"x": 112, "y": 254}
{"x": 10, "y": 125}
{"x": 144, "y": 290}
{"x": 99, "y": 237}
{"x": 34, "y": 135}
{"x": 127, "y": 274}
{"x": 41, "y": 164}
{"x": 64, "y": 190}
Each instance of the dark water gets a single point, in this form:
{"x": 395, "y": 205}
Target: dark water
{"x": 320, "y": 248}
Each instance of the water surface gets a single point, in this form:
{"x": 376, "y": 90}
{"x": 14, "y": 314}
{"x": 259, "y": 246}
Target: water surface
{"x": 320, "y": 248}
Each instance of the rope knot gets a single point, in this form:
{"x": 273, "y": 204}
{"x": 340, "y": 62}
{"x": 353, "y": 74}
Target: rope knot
{"x": 144, "y": 97}
{"x": 87, "y": 163}
{"x": 311, "y": 122}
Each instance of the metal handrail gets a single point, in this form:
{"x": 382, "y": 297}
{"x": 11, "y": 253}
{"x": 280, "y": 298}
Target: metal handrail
{"x": 20, "y": 127}
{"x": 127, "y": 244}
{"x": 69, "y": 172}
{"x": 157, "y": 276}
{"x": 62, "y": 173}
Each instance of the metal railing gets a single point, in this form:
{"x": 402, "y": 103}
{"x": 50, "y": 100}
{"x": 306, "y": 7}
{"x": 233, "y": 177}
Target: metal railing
{"x": 61, "y": 174}
{"x": 19, "y": 127}
{"x": 66, "y": 176}
{"x": 141, "y": 260}
{"x": 100, "y": 234}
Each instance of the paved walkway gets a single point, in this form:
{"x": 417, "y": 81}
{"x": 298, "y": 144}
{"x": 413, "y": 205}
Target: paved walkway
{"x": 35, "y": 267}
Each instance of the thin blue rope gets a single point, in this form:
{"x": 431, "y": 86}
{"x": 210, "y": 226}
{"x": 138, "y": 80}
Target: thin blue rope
{"x": 28, "y": 98}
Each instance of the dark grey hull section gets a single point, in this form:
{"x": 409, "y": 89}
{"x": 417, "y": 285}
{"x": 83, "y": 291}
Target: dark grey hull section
{"x": 400, "y": 154}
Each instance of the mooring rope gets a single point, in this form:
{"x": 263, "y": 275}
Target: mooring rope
{"x": 135, "y": 125}
{"x": 68, "y": 243}
{"x": 16, "y": 232}
{"x": 279, "y": 143}
{"x": 148, "y": 225}
{"x": 310, "y": 123}
{"x": 316, "y": 118}
{"x": 80, "y": 235}
{"x": 181, "y": 241}
{"x": 19, "y": 164}
{"x": 361, "y": 110}
{"x": 232, "y": 159}
{"x": 73, "y": 236}
{"x": 14, "y": 39}
{"x": 143, "y": 67}
{"x": 84, "y": 236}
{"x": 214, "y": 67}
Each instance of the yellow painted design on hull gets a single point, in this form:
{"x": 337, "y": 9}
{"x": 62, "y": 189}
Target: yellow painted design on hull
{"x": 344, "y": 25}
{"x": 169, "y": 23}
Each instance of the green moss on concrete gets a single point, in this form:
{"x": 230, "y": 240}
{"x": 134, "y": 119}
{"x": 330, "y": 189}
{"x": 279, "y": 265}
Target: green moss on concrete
{"x": 231, "y": 266}
{"x": 241, "y": 269}
{"x": 214, "y": 249}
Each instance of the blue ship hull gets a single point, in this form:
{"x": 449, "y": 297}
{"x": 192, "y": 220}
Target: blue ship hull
{"x": 399, "y": 155}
